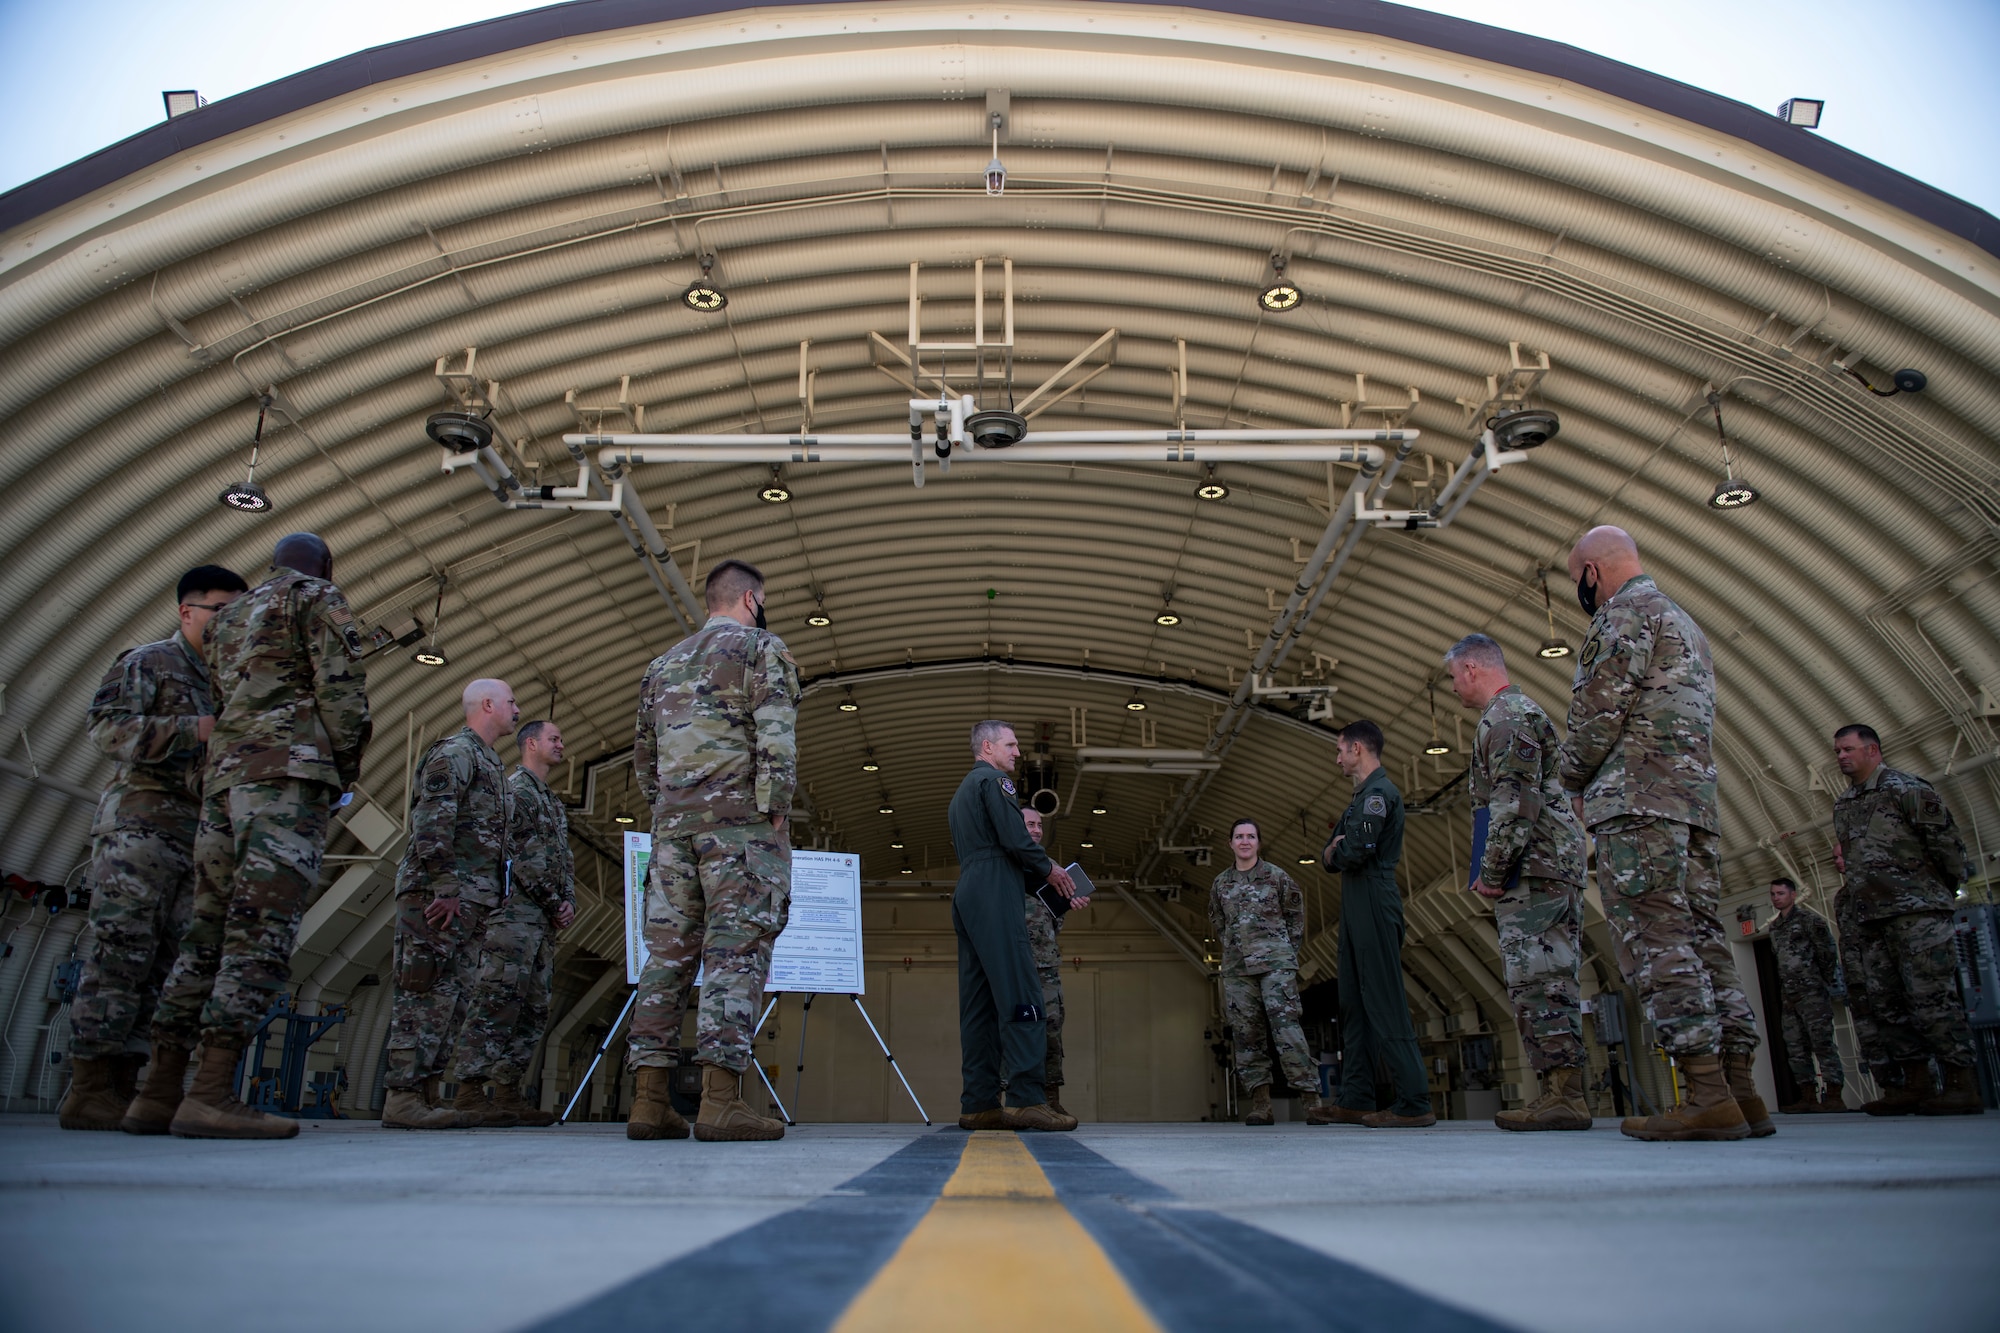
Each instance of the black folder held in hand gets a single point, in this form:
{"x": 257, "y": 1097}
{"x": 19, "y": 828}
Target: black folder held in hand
{"x": 1052, "y": 897}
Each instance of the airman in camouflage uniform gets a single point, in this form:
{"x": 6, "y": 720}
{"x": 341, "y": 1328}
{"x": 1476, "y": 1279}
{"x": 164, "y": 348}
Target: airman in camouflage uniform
{"x": 509, "y": 1007}
{"x": 1808, "y": 978}
{"x": 283, "y": 660}
{"x": 1258, "y": 918}
{"x": 1901, "y": 862}
{"x": 1532, "y": 870}
{"x": 1640, "y": 758}
{"x": 151, "y": 716}
{"x": 716, "y": 755}
{"x": 454, "y": 873}
{"x": 1043, "y": 928}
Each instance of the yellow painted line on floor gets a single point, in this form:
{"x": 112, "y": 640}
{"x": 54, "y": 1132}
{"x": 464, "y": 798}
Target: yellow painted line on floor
{"x": 998, "y": 1252}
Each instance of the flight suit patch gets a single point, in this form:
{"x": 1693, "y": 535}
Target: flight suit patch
{"x": 1006, "y": 786}
{"x": 1027, "y": 1013}
{"x": 1375, "y": 805}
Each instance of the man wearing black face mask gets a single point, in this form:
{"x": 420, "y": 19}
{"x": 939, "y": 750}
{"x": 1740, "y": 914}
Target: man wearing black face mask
{"x": 1639, "y": 765}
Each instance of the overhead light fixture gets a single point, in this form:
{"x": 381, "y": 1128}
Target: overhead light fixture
{"x": 1135, "y": 704}
{"x": 1099, "y": 810}
{"x": 906, "y": 871}
{"x": 1308, "y": 861}
{"x": 1086, "y": 844}
{"x": 869, "y": 765}
{"x": 702, "y": 294}
{"x": 1803, "y": 112}
{"x": 1167, "y": 616}
{"x": 1282, "y": 294}
{"x": 885, "y": 809}
{"x": 247, "y": 496}
{"x": 996, "y": 171}
{"x": 819, "y": 618}
{"x": 430, "y": 654}
{"x": 1729, "y": 492}
{"x": 622, "y": 819}
{"x": 460, "y": 431}
{"x": 996, "y": 428}
{"x": 1436, "y": 747}
{"x": 1210, "y": 488}
{"x": 1524, "y": 428}
{"x": 774, "y": 492}
{"x": 1552, "y": 647}
{"x": 847, "y": 705}
{"x": 897, "y": 846}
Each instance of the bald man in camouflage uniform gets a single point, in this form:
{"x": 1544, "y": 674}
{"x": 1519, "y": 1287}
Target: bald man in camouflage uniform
{"x": 1901, "y": 863}
{"x": 1808, "y": 978}
{"x": 509, "y": 1007}
{"x": 716, "y": 754}
{"x": 1532, "y": 871}
{"x": 454, "y": 873}
{"x": 284, "y": 661}
{"x": 1258, "y": 917}
{"x": 1639, "y": 763}
{"x": 151, "y": 716}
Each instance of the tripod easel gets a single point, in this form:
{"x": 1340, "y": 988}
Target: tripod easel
{"x": 799, "y": 1075}
{"x": 584, "y": 1083}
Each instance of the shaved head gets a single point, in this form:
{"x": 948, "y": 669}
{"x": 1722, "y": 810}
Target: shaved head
{"x": 490, "y": 709}
{"x": 1603, "y": 545}
{"x": 305, "y": 552}
{"x": 479, "y": 691}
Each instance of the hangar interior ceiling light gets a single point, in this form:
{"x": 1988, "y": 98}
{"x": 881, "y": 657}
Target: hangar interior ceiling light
{"x": 1211, "y": 489}
{"x": 820, "y": 620}
{"x": 1436, "y": 747}
{"x": 702, "y": 294}
{"x": 430, "y": 654}
{"x": 1553, "y": 646}
{"x": 1283, "y": 294}
{"x": 1135, "y": 704}
{"x": 1729, "y": 493}
{"x": 247, "y": 495}
{"x": 775, "y": 492}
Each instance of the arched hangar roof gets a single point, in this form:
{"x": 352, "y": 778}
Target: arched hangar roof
{"x": 1451, "y": 200}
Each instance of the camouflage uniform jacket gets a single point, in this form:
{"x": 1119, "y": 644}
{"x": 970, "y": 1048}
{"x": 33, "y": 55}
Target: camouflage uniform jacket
{"x": 716, "y": 743}
{"x": 1902, "y": 850}
{"x": 1642, "y": 714}
{"x": 144, "y": 716}
{"x": 459, "y": 820}
{"x": 1259, "y": 918}
{"x": 283, "y": 658}
{"x": 544, "y": 873}
{"x": 1808, "y": 961}
{"x": 1530, "y": 828}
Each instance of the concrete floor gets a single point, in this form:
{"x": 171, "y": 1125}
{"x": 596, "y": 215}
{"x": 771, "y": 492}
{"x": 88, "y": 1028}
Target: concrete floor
{"x": 1838, "y": 1223}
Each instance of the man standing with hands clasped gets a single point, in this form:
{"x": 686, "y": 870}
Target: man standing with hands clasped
{"x": 1043, "y": 928}
{"x": 1531, "y": 869}
{"x": 1000, "y": 1025}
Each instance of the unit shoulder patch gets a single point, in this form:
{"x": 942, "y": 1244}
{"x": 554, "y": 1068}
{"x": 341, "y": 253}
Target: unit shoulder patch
{"x": 1007, "y": 786}
{"x": 1376, "y": 804}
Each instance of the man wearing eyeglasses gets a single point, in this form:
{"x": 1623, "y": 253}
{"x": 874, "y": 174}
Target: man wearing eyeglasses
{"x": 152, "y": 716}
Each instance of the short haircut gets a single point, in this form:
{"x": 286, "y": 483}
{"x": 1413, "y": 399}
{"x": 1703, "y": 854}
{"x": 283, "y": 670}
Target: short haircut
{"x": 1251, "y": 822}
{"x": 532, "y": 730}
{"x": 989, "y": 730}
{"x": 1785, "y": 880}
{"x": 729, "y": 581}
{"x": 1861, "y": 729}
{"x": 1364, "y": 733}
{"x": 1478, "y": 649}
{"x": 209, "y": 578}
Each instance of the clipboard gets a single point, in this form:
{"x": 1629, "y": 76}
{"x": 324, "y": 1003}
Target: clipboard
{"x": 1480, "y": 819}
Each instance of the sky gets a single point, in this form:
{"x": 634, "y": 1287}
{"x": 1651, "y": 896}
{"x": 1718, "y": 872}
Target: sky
{"x": 1904, "y": 83}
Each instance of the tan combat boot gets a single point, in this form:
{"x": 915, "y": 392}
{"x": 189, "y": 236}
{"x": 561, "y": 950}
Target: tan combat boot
{"x": 1054, "y": 1091}
{"x": 152, "y": 1111}
{"x": 1904, "y": 1100}
{"x": 1561, "y": 1105}
{"x": 1808, "y": 1102}
{"x": 125, "y": 1067}
{"x": 993, "y": 1117}
{"x": 1707, "y": 1112}
{"x": 210, "y": 1109}
{"x": 1832, "y": 1103}
{"x": 1310, "y": 1106}
{"x": 1260, "y": 1106}
{"x": 1960, "y": 1095}
{"x": 1322, "y": 1110}
{"x": 1738, "y": 1068}
{"x": 653, "y": 1114}
{"x": 480, "y": 1110}
{"x": 1040, "y": 1116}
{"x": 725, "y": 1117}
{"x": 407, "y": 1108}
{"x": 508, "y": 1098}
{"x": 92, "y": 1101}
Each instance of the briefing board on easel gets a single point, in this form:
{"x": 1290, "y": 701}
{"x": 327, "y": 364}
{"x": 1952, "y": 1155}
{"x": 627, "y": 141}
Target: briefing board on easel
{"x": 819, "y": 951}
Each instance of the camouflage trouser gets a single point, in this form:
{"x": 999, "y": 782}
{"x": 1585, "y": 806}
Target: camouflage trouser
{"x": 1808, "y": 1028}
{"x": 436, "y": 968}
{"x": 142, "y": 882}
{"x": 715, "y": 900}
{"x": 509, "y": 1006}
{"x": 1541, "y": 947}
{"x": 1042, "y": 928}
{"x": 1902, "y": 987}
{"x": 257, "y": 856}
{"x": 1660, "y": 881}
{"x": 1264, "y": 1010}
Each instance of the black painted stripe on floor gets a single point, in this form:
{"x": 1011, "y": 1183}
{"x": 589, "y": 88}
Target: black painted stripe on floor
{"x": 794, "y": 1272}
{"x": 1198, "y": 1270}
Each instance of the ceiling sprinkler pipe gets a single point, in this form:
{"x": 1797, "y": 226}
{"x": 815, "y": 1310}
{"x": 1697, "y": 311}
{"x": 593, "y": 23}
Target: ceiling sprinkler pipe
{"x": 807, "y": 449}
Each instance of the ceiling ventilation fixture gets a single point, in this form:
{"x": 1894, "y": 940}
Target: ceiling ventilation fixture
{"x": 430, "y": 654}
{"x": 1803, "y": 112}
{"x": 1210, "y": 488}
{"x": 459, "y": 431}
{"x": 702, "y": 294}
{"x": 1436, "y": 747}
{"x": 1282, "y": 294}
{"x": 1552, "y": 647}
{"x": 1729, "y": 492}
{"x": 996, "y": 170}
{"x": 775, "y": 492}
{"x": 996, "y": 428}
{"x": 247, "y": 495}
